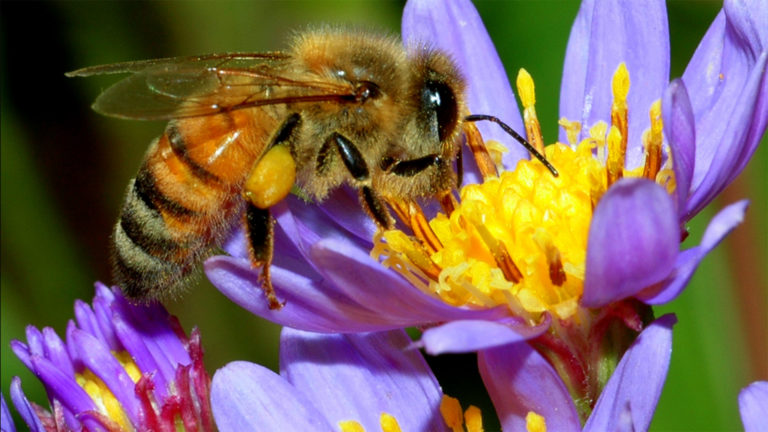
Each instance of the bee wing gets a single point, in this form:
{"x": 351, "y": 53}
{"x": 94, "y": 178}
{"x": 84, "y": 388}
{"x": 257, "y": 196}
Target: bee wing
{"x": 170, "y": 88}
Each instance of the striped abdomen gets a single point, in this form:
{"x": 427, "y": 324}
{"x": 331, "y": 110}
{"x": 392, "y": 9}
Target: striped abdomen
{"x": 185, "y": 199}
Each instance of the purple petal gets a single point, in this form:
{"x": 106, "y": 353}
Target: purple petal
{"x": 679, "y": 127}
{"x": 687, "y": 261}
{"x": 386, "y": 375}
{"x": 367, "y": 282}
{"x": 21, "y": 350}
{"x": 635, "y": 386}
{"x": 134, "y": 343}
{"x": 249, "y": 397}
{"x": 473, "y": 335}
{"x": 6, "y": 420}
{"x": 56, "y": 351}
{"x": 86, "y": 320}
{"x": 95, "y": 356}
{"x": 343, "y": 207}
{"x": 753, "y": 405}
{"x": 65, "y": 389}
{"x": 23, "y": 407}
{"x": 729, "y": 94}
{"x": 520, "y": 380}
{"x": 310, "y": 304}
{"x": 633, "y": 241}
{"x": 605, "y": 34}
{"x": 153, "y": 323}
{"x": 35, "y": 341}
{"x": 456, "y": 28}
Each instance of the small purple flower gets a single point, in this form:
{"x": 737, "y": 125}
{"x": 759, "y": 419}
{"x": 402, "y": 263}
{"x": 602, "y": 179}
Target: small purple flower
{"x": 364, "y": 381}
{"x": 122, "y": 368}
{"x": 753, "y": 405}
{"x": 522, "y": 383}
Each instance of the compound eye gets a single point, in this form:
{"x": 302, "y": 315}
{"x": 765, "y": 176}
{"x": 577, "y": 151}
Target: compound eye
{"x": 438, "y": 98}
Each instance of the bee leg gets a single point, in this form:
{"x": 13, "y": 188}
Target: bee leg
{"x": 260, "y": 227}
{"x": 355, "y": 164}
{"x": 374, "y": 206}
{"x": 411, "y": 167}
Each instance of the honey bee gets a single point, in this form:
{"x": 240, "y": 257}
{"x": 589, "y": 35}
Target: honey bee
{"x": 339, "y": 107}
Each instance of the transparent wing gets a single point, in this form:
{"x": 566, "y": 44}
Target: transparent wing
{"x": 169, "y": 88}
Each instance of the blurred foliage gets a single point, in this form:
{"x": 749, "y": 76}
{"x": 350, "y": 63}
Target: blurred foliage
{"x": 64, "y": 169}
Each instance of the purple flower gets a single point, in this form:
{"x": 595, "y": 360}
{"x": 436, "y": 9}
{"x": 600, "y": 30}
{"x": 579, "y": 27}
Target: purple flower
{"x": 122, "y": 368}
{"x": 753, "y": 405}
{"x": 559, "y": 261}
{"x": 333, "y": 382}
{"x": 323, "y": 268}
{"x": 523, "y": 384}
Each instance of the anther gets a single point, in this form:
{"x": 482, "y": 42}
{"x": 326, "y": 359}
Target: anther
{"x": 572, "y": 129}
{"x": 479, "y": 151}
{"x": 526, "y": 90}
{"x": 619, "y": 112}
{"x": 615, "y": 163}
{"x": 500, "y": 254}
{"x": 653, "y": 142}
{"x": 447, "y": 202}
{"x": 552, "y": 253}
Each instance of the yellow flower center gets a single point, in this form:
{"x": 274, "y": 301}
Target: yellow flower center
{"x": 520, "y": 238}
{"x": 103, "y": 397}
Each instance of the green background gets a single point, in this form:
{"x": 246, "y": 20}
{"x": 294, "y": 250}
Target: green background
{"x": 64, "y": 170}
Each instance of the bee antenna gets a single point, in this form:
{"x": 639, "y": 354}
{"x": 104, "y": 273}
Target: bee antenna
{"x": 516, "y": 136}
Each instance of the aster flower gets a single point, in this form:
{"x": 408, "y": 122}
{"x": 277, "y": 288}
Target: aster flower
{"x": 753, "y": 405}
{"x": 635, "y": 230}
{"x": 121, "y": 368}
{"x": 571, "y": 263}
{"x": 354, "y": 382}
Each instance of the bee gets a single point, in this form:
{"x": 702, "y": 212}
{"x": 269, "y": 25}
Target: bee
{"x": 244, "y": 129}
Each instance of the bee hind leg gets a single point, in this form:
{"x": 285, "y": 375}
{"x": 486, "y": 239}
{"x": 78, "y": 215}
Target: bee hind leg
{"x": 260, "y": 228}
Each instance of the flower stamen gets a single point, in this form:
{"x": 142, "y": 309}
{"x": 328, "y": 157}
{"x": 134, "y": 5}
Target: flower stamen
{"x": 454, "y": 418}
{"x": 500, "y": 254}
{"x": 652, "y": 141}
{"x": 534, "y": 422}
{"x": 619, "y": 111}
{"x": 527, "y": 94}
{"x": 485, "y": 163}
{"x": 615, "y": 163}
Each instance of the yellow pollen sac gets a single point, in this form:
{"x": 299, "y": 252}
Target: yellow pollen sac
{"x": 272, "y": 178}
{"x": 470, "y": 421}
{"x": 652, "y": 143}
{"x": 387, "y": 421}
{"x": 535, "y": 423}
{"x": 527, "y": 93}
{"x": 572, "y": 129}
{"x": 615, "y": 162}
{"x": 351, "y": 426}
{"x": 619, "y": 120}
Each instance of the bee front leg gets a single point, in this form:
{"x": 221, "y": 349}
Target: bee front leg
{"x": 260, "y": 228}
{"x": 411, "y": 167}
{"x": 355, "y": 164}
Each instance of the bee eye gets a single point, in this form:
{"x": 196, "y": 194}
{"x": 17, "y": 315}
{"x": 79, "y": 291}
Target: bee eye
{"x": 438, "y": 98}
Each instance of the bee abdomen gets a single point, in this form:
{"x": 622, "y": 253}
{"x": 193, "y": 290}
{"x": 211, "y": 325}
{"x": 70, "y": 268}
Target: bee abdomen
{"x": 148, "y": 259}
